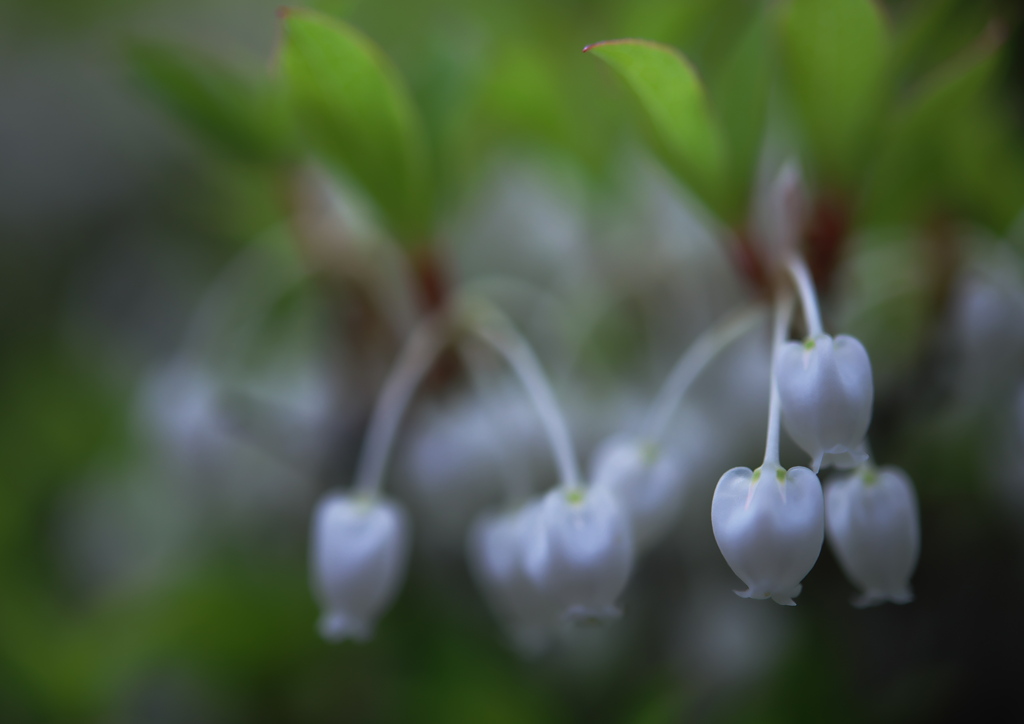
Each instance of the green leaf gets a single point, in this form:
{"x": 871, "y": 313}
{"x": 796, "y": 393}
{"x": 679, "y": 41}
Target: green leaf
{"x": 244, "y": 116}
{"x": 985, "y": 169}
{"x": 949, "y": 149}
{"x": 690, "y": 137}
{"x": 906, "y": 174}
{"x": 932, "y": 32}
{"x": 355, "y": 111}
{"x": 982, "y": 159}
{"x": 835, "y": 57}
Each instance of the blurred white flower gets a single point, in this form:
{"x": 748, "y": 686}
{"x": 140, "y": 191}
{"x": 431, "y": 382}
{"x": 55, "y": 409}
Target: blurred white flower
{"x": 580, "y": 552}
{"x": 987, "y": 331}
{"x": 462, "y": 454}
{"x": 645, "y": 478}
{"x": 872, "y": 523}
{"x": 496, "y": 550}
{"x": 359, "y": 548}
{"x": 769, "y": 524}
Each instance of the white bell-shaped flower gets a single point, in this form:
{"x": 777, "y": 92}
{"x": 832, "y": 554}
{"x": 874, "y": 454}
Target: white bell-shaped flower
{"x": 872, "y": 523}
{"x": 769, "y": 524}
{"x": 580, "y": 552}
{"x": 645, "y": 478}
{"x": 496, "y": 550}
{"x": 359, "y": 548}
{"x": 826, "y": 392}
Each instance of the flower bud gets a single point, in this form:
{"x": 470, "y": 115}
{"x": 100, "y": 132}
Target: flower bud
{"x": 645, "y": 479}
{"x": 826, "y": 392}
{"x": 580, "y": 552}
{"x": 769, "y": 524}
{"x": 871, "y": 519}
{"x": 780, "y": 213}
{"x": 359, "y": 548}
{"x": 496, "y": 550}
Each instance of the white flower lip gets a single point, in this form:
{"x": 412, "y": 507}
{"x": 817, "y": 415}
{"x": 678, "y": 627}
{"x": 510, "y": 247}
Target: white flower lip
{"x": 580, "y": 552}
{"x": 359, "y": 552}
{"x": 826, "y": 392}
{"x": 769, "y": 525}
{"x": 646, "y": 480}
{"x": 873, "y": 527}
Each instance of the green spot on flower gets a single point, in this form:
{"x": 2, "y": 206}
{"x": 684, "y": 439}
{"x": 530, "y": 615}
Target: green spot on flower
{"x": 780, "y": 475}
{"x": 869, "y": 476}
{"x": 809, "y": 343}
{"x": 575, "y": 496}
{"x": 649, "y": 452}
{"x": 364, "y": 501}
{"x": 757, "y": 476}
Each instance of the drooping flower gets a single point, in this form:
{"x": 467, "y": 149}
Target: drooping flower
{"x": 496, "y": 550}
{"x": 872, "y": 523}
{"x": 826, "y": 392}
{"x": 769, "y": 524}
{"x": 645, "y": 478}
{"x": 359, "y": 548}
{"x": 580, "y": 552}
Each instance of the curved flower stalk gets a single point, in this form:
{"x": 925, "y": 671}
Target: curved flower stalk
{"x": 359, "y": 551}
{"x": 646, "y": 475}
{"x": 825, "y": 387}
{"x": 359, "y": 542}
{"x": 872, "y": 523}
{"x": 580, "y": 553}
{"x": 769, "y": 523}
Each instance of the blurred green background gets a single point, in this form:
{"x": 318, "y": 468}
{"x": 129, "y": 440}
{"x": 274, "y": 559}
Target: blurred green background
{"x": 146, "y": 151}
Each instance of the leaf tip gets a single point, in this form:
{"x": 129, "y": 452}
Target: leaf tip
{"x": 602, "y": 43}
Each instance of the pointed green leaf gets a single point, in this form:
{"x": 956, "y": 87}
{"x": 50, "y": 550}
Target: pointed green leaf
{"x": 835, "y": 57}
{"x": 244, "y": 116}
{"x": 355, "y": 111}
{"x": 675, "y": 100}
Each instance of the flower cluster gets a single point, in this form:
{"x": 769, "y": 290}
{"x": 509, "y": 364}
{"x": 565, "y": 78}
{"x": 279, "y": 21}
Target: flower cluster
{"x": 770, "y": 523}
{"x": 566, "y": 554}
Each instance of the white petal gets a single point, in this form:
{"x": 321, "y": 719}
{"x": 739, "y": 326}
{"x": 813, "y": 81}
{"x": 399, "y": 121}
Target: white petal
{"x": 646, "y": 480}
{"x": 359, "y": 549}
{"x": 826, "y": 392}
{"x": 496, "y": 549}
{"x": 770, "y": 530}
{"x": 845, "y": 458}
{"x": 873, "y": 527}
{"x": 580, "y": 552}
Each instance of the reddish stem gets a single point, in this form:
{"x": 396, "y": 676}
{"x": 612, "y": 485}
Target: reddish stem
{"x": 825, "y": 237}
{"x": 432, "y": 285}
{"x": 431, "y": 281}
{"x": 749, "y": 263}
